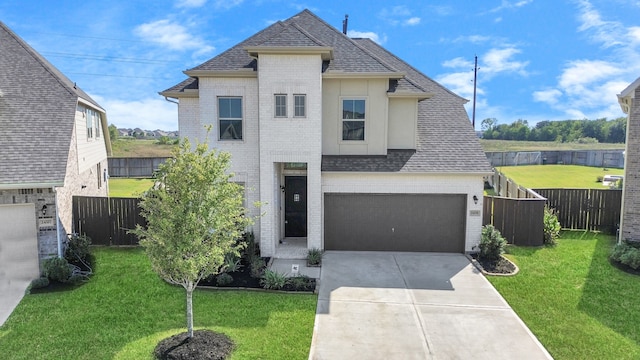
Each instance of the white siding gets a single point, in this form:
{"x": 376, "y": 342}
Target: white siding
{"x": 90, "y": 150}
{"x": 375, "y": 93}
{"x": 403, "y": 120}
{"x": 415, "y": 184}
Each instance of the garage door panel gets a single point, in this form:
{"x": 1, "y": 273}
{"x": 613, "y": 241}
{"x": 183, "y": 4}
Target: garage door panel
{"x": 18, "y": 242}
{"x": 395, "y": 222}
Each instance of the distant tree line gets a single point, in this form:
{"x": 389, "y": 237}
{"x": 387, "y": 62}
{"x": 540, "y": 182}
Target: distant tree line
{"x": 585, "y": 131}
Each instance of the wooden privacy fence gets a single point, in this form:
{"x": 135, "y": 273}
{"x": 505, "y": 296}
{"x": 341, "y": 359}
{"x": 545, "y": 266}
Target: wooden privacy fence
{"x": 520, "y": 221}
{"x": 107, "y": 220}
{"x": 586, "y": 209}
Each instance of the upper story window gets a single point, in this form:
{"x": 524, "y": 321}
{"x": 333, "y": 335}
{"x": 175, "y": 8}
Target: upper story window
{"x": 353, "y": 119}
{"x": 230, "y": 118}
{"x": 299, "y": 105}
{"x": 281, "y": 105}
{"x": 92, "y": 121}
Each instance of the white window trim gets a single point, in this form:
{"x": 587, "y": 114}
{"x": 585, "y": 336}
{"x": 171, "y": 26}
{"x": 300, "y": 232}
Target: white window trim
{"x": 220, "y": 118}
{"x": 365, "y": 120}
{"x": 304, "y": 96}
{"x": 275, "y": 105}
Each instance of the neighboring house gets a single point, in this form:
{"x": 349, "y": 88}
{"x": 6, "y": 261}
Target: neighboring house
{"x": 630, "y": 215}
{"x": 345, "y": 145}
{"x": 53, "y": 145}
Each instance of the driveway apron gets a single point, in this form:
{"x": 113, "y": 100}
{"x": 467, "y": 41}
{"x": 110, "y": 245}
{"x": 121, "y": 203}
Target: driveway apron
{"x": 389, "y": 305}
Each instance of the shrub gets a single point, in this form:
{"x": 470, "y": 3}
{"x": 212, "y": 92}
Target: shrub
{"x": 628, "y": 254}
{"x": 224, "y": 279}
{"x": 258, "y": 266}
{"x": 232, "y": 263}
{"x": 273, "y": 280}
{"x": 599, "y": 178}
{"x": 252, "y": 250}
{"x": 301, "y": 282}
{"x": 551, "y": 226}
{"x": 78, "y": 249}
{"x": 38, "y": 283}
{"x": 57, "y": 269}
{"x": 491, "y": 244}
{"x": 314, "y": 256}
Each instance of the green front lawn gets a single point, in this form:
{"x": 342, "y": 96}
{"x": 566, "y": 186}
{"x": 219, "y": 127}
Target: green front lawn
{"x": 125, "y": 309}
{"x": 558, "y": 176}
{"x": 573, "y": 300}
{"x": 128, "y": 187}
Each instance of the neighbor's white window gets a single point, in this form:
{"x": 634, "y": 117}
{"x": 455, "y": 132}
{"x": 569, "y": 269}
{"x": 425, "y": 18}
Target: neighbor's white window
{"x": 299, "y": 105}
{"x": 353, "y": 119}
{"x": 230, "y": 118}
{"x": 281, "y": 105}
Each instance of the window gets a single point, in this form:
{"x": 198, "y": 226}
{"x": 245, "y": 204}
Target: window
{"x": 98, "y": 124}
{"x": 99, "y": 173}
{"x": 230, "y": 116}
{"x": 281, "y": 105}
{"x": 353, "y": 117}
{"x": 89, "y": 115}
{"x": 300, "y": 105}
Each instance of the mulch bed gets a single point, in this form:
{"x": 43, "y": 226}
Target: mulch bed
{"x": 624, "y": 267}
{"x": 243, "y": 279}
{"x": 502, "y": 266}
{"x": 204, "y": 345}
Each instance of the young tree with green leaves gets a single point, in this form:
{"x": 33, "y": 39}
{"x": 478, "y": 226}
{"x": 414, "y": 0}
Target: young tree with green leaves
{"x": 194, "y": 218}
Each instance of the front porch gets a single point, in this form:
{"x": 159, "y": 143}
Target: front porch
{"x": 292, "y": 248}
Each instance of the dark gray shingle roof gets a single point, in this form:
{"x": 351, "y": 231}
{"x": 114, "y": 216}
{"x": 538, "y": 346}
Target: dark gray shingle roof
{"x": 37, "y": 114}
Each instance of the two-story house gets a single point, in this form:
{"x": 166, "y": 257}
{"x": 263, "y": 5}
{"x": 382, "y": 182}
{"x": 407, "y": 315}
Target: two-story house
{"x": 346, "y": 146}
{"x": 630, "y": 212}
{"x": 53, "y": 145}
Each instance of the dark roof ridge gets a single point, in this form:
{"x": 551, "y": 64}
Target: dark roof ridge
{"x": 307, "y": 34}
{"x": 48, "y": 67}
{"x": 413, "y": 68}
{"x": 377, "y": 58}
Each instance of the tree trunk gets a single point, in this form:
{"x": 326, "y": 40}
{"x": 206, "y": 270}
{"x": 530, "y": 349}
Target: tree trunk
{"x": 190, "y": 311}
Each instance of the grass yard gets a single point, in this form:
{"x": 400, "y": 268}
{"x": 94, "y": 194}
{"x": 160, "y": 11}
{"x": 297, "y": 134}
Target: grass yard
{"x": 513, "y": 145}
{"x": 125, "y": 309}
{"x": 128, "y": 187}
{"x": 573, "y": 300}
{"x": 140, "y": 148}
{"x": 558, "y": 176}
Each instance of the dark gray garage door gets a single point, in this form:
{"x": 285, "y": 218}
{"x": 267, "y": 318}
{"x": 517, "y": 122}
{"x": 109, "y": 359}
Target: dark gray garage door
{"x": 395, "y": 222}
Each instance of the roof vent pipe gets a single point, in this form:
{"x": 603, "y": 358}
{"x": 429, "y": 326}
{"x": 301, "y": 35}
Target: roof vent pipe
{"x": 345, "y": 23}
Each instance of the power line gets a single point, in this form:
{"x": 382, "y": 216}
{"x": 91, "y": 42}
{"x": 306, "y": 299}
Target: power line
{"x": 111, "y": 75}
{"x": 106, "y": 58}
{"x": 90, "y": 37}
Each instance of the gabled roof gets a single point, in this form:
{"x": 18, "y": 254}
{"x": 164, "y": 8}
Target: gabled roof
{"x": 446, "y": 141}
{"x": 303, "y": 30}
{"x": 627, "y": 95}
{"x": 37, "y": 115}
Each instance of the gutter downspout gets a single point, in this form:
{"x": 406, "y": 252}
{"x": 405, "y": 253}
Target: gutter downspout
{"x": 171, "y": 101}
{"x": 58, "y": 224}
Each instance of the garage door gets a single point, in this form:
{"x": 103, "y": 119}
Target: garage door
{"x": 395, "y": 222}
{"x": 18, "y": 243}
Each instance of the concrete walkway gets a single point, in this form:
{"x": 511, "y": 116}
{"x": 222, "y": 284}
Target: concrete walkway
{"x": 382, "y": 305}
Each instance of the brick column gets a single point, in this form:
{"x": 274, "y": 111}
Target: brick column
{"x": 631, "y": 203}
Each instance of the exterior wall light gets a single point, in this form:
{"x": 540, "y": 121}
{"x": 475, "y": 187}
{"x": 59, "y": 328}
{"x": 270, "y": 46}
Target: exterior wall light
{"x": 475, "y": 199}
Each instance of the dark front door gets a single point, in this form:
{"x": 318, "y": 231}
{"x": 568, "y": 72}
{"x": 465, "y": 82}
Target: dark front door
{"x": 295, "y": 206}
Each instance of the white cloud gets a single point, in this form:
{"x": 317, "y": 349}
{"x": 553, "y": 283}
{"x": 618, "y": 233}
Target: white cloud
{"x": 147, "y": 113}
{"x": 399, "y": 15}
{"x": 412, "y": 21}
{"x": 607, "y": 33}
{"x": 172, "y": 35}
{"x": 190, "y": 3}
{"x": 367, "y": 34}
{"x": 226, "y": 4}
{"x": 460, "y": 83}
{"x": 510, "y": 5}
{"x": 580, "y": 73}
{"x": 500, "y": 60}
{"x": 458, "y": 63}
{"x": 549, "y": 96}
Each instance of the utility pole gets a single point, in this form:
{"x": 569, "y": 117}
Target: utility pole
{"x": 475, "y": 78}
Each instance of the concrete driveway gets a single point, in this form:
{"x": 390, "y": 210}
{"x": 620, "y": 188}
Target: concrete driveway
{"x": 383, "y": 305}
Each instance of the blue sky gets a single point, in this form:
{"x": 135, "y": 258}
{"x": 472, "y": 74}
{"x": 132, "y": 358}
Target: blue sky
{"x": 538, "y": 60}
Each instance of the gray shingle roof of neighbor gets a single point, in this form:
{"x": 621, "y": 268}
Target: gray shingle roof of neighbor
{"x": 37, "y": 114}
{"x": 446, "y": 140}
